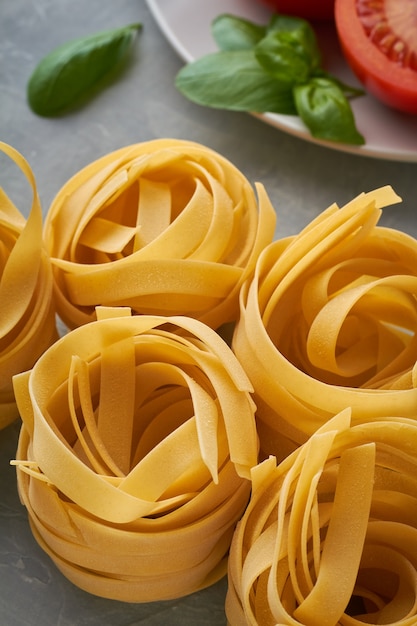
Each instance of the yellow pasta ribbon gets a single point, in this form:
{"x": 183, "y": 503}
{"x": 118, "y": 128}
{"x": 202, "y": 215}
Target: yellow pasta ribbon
{"x": 329, "y": 321}
{"x": 165, "y": 227}
{"x": 329, "y": 536}
{"x": 27, "y": 315}
{"x": 135, "y": 454}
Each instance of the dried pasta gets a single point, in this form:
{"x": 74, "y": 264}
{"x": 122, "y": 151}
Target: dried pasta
{"x": 166, "y": 227}
{"x": 27, "y": 313}
{"x": 330, "y": 535}
{"x": 329, "y": 321}
{"x": 135, "y": 454}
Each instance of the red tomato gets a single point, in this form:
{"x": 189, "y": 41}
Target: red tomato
{"x": 308, "y": 9}
{"x": 379, "y": 41}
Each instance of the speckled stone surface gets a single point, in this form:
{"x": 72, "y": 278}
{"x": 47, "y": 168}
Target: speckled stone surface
{"x": 301, "y": 178}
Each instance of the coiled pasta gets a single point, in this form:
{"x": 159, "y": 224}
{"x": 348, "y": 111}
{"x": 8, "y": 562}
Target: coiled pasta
{"x": 330, "y": 535}
{"x": 135, "y": 454}
{"x": 329, "y": 321}
{"x": 27, "y": 312}
{"x": 165, "y": 227}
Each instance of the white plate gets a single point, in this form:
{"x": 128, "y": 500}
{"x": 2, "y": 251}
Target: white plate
{"x": 389, "y": 134}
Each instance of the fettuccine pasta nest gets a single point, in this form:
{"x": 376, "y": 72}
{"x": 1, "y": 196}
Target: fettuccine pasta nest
{"x": 135, "y": 453}
{"x": 166, "y": 227}
{"x": 27, "y": 313}
{"x": 329, "y": 537}
{"x": 329, "y": 321}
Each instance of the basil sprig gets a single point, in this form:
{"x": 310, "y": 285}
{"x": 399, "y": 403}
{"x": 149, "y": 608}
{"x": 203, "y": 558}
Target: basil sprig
{"x": 72, "y": 71}
{"x": 275, "y": 68}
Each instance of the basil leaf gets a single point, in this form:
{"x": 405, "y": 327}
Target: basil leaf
{"x": 282, "y": 56}
{"x": 301, "y": 32}
{"x": 326, "y": 112}
{"x": 348, "y": 90}
{"x": 306, "y": 39}
{"x": 236, "y": 33}
{"x": 72, "y": 70}
{"x": 285, "y": 23}
{"x": 234, "y": 80}
{"x": 274, "y": 68}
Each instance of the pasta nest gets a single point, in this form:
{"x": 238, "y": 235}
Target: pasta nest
{"x": 27, "y": 316}
{"x": 135, "y": 453}
{"x": 166, "y": 227}
{"x": 329, "y": 537}
{"x": 329, "y": 321}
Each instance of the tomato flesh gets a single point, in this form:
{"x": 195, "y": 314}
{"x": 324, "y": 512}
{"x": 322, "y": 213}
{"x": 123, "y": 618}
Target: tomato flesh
{"x": 379, "y": 41}
{"x": 308, "y": 9}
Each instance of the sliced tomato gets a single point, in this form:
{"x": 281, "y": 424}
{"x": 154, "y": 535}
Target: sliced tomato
{"x": 308, "y": 9}
{"x": 379, "y": 41}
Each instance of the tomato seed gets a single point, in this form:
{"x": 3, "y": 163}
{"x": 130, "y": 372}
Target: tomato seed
{"x": 378, "y": 29}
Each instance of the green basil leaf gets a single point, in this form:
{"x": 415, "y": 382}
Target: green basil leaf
{"x": 306, "y": 39}
{"x": 326, "y": 111}
{"x": 348, "y": 90}
{"x": 234, "y": 80}
{"x": 274, "y": 68}
{"x": 282, "y": 56}
{"x": 285, "y": 23}
{"x": 236, "y": 33}
{"x": 301, "y": 32}
{"x": 72, "y": 70}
